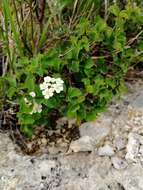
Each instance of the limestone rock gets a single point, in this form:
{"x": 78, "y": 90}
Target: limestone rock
{"x": 130, "y": 178}
{"x": 136, "y": 107}
{"x": 119, "y": 163}
{"x": 120, "y": 143}
{"x": 83, "y": 144}
{"x": 106, "y": 150}
{"x": 97, "y": 130}
{"x": 133, "y": 146}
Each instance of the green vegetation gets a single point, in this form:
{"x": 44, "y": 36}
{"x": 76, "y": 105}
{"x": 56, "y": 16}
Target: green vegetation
{"x": 87, "y": 44}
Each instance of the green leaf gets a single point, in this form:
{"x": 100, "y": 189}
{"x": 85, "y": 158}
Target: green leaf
{"x": 74, "y": 40}
{"x": 80, "y": 99}
{"x": 111, "y": 83}
{"x": 106, "y": 94}
{"x": 30, "y": 82}
{"x": 52, "y": 63}
{"x": 81, "y": 113}
{"x": 89, "y": 63}
{"x": 11, "y": 81}
{"x": 91, "y": 116}
{"x": 124, "y": 14}
{"x": 117, "y": 45}
{"x": 99, "y": 84}
{"x": 74, "y": 66}
{"x": 26, "y": 119}
{"x": 74, "y": 92}
{"x": 84, "y": 43}
{"x": 24, "y": 108}
{"x": 88, "y": 86}
{"x": 72, "y": 111}
{"x": 100, "y": 24}
{"x": 114, "y": 9}
{"x": 109, "y": 31}
{"x": 122, "y": 88}
{"x": 50, "y": 103}
{"x": 27, "y": 130}
{"x": 99, "y": 81}
{"x": 11, "y": 92}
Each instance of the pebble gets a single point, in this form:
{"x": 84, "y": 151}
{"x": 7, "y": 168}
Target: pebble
{"x": 119, "y": 163}
{"x": 83, "y": 144}
{"x": 44, "y": 141}
{"x": 120, "y": 143}
{"x": 106, "y": 150}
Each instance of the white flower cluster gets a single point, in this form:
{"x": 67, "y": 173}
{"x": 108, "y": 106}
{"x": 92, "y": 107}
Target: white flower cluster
{"x": 51, "y": 85}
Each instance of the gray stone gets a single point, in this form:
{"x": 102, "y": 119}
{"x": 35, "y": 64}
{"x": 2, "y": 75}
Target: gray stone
{"x": 97, "y": 130}
{"x": 106, "y": 150}
{"x": 137, "y": 104}
{"x": 135, "y": 110}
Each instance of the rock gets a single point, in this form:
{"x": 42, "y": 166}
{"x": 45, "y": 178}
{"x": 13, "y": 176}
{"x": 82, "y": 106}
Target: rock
{"x": 97, "y": 130}
{"x": 141, "y": 150}
{"x": 44, "y": 141}
{"x": 119, "y": 163}
{"x": 134, "y": 141}
{"x": 120, "y": 143}
{"x": 44, "y": 167}
{"x": 11, "y": 183}
{"x": 130, "y": 178}
{"x": 135, "y": 109}
{"x": 54, "y": 150}
{"x": 102, "y": 169}
{"x": 106, "y": 150}
{"x": 83, "y": 144}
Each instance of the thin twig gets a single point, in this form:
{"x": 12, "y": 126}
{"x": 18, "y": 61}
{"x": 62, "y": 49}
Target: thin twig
{"x": 135, "y": 38}
{"x": 106, "y": 10}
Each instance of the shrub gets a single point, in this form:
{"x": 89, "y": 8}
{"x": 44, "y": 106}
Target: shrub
{"x": 78, "y": 75}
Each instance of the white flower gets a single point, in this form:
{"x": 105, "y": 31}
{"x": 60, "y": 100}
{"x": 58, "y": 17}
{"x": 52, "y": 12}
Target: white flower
{"x": 47, "y": 79}
{"x": 43, "y": 86}
{"x": 59, "y": 88}
{"x": 48, "y": 93}
{"x": 53, "y": 80}
{"x": 59, "y": 81}
{"x": 32, "y": 94}
{"x": 51, "y": 85}
{"x": 36, "y": 108}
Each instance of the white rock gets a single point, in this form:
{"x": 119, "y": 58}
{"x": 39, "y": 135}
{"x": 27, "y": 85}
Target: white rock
{"x": 130, "y": 178}
{"x": 141, "y": 150}
{"x": 45, "y": 167}
{"x": 120, "y": 143}
{"x": 119, "y": 163}
{"x": 106, "y": 150}
{"x": 83, "y": 144}
{"x": 133, "y": 146}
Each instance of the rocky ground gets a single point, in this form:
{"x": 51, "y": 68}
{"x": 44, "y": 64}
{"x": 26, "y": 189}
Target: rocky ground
{"x": 107, "y": 156}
